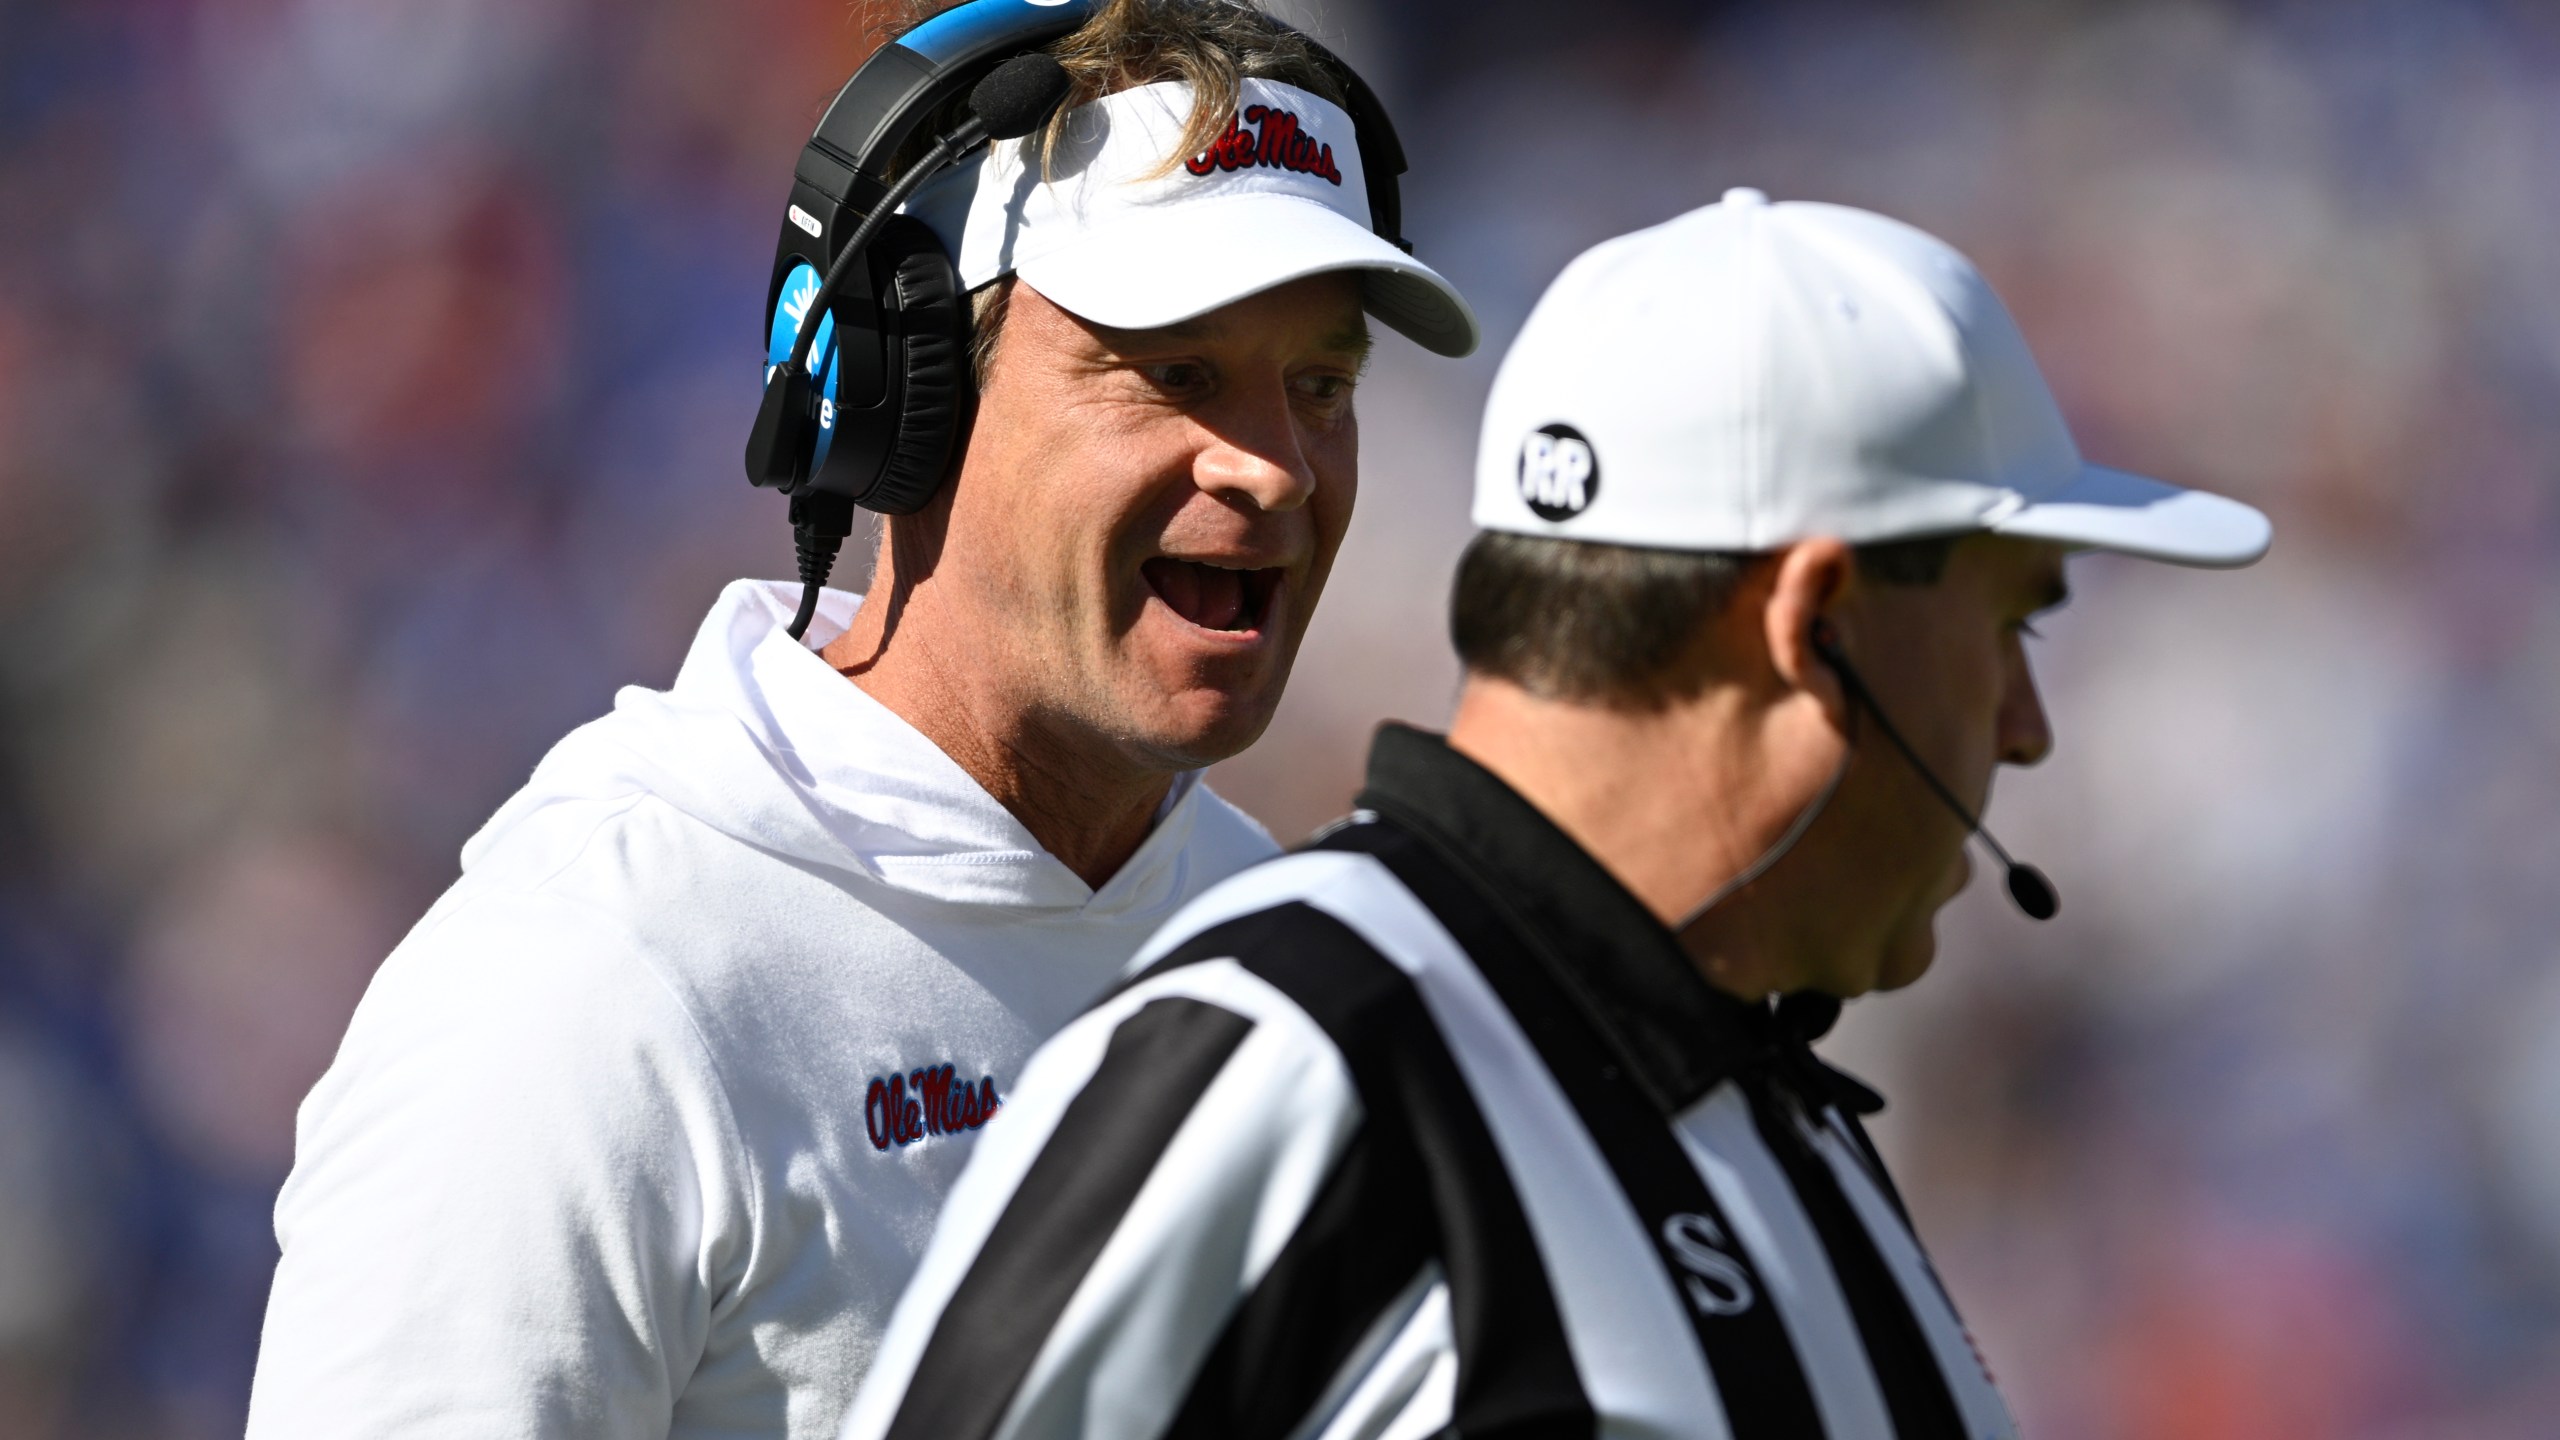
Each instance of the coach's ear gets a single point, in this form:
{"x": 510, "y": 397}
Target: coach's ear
{"x": 1813, "y": 577}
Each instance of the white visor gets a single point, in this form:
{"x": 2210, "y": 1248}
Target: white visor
{"x": 1107, "y": 237}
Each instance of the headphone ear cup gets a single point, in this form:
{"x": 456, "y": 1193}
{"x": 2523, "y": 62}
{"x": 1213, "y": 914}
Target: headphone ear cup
{"x": 924, "y": 319}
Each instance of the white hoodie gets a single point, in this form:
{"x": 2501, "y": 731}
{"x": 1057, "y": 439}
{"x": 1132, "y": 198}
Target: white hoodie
{"x": 641, "y": 1130}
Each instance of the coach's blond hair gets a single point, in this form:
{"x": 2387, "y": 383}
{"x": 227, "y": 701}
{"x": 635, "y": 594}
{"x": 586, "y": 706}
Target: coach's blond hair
{"x": 1214, "y": 45}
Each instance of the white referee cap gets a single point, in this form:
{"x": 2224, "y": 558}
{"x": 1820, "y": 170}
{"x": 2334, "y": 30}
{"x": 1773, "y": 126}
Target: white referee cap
{"x": 1753, "y": 374}
{"x": 1122, "y": 230}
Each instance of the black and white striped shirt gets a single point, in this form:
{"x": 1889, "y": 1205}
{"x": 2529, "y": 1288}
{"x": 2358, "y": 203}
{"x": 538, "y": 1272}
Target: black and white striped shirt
{"x": 1431, "y": 1129}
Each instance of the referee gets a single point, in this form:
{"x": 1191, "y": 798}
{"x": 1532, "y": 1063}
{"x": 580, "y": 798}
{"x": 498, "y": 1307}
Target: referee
{"x": 1493, "y": 1113}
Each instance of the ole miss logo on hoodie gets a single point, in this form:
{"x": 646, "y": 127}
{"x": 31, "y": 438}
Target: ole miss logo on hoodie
{"x": 929, "y": 1100}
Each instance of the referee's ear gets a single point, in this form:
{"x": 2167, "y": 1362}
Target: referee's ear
{"x": 1812, "y": 578}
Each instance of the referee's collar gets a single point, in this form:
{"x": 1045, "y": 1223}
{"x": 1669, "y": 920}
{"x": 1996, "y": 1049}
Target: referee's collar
{"x": 1679, "y": 1035}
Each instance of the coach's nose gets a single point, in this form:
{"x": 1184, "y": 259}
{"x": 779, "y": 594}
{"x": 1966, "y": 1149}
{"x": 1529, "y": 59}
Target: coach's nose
{"x": 1252, "y": 448}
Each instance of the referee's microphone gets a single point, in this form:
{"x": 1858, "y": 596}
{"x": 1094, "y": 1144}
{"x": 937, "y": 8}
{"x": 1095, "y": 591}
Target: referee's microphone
{"x": 2032, "y": 892}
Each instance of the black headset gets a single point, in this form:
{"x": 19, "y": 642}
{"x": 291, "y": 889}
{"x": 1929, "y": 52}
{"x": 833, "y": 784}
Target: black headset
{"x": 868, "y": 390}
{"x": 2029, "y": 890}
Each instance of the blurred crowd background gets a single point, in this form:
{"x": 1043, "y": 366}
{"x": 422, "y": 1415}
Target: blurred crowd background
{"x": 373, "y": 375}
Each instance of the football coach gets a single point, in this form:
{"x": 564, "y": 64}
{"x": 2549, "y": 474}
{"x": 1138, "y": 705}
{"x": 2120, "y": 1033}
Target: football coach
{"x": 1493, "y": 1112}
{"x": 641, "y": 1130}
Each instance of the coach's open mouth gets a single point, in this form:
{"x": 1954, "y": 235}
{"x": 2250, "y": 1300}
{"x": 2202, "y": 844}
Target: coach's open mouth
{"x": 1214, "y": 597}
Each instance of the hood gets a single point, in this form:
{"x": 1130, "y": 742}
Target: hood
{"x": 763, "y": 741}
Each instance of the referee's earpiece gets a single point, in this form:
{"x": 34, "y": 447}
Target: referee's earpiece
{"x": 2028, "y": 889}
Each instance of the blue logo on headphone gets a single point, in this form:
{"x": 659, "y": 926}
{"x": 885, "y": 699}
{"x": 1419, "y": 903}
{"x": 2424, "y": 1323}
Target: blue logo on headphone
{"x": 797, "y": 291}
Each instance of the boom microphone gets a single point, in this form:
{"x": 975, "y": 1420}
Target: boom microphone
{"x": 1012, "y": 101}
{"x": 2028, "y": 888}
{"x": 1008, "y": 104}
{"x": 1014, "y": 98}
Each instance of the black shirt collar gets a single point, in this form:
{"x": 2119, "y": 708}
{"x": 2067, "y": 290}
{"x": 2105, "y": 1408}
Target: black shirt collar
{"x": 1678, "y": 1035}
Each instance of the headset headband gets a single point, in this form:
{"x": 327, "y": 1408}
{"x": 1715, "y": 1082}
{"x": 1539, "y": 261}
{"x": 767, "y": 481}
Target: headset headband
{"x": 910, "y": 79}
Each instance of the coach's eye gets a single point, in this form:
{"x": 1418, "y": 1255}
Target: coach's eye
{"x": 1179, "y": 377}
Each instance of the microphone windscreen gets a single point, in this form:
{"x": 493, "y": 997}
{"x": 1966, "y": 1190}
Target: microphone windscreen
{"x": 1018, "y": 94}
{"x": 2033, "y": 892}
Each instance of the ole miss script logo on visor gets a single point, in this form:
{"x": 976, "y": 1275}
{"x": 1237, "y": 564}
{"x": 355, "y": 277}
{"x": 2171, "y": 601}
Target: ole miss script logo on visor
{"x": 1276, "y": 140}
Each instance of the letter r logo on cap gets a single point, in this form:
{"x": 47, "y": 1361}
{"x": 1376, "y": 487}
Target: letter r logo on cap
{"x": 1559, "y": 474}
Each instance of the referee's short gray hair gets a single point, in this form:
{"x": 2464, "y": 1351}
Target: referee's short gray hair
{"x": 1617, "y": 625}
